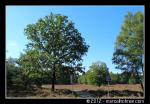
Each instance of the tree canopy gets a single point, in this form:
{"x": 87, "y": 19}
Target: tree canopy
{"x": 96, "y": 75}
{"x": 129, "y": 46}
{"x": 58, "y": 40}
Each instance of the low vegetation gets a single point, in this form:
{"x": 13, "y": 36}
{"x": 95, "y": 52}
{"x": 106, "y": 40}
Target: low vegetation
{"x": 69, "y": 91}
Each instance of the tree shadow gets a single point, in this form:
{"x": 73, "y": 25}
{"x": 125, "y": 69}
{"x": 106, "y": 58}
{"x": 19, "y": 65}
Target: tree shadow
{"x": 115, "y": 93}
{"x": 83, "y": 94}
{"x": 22, "y": 91}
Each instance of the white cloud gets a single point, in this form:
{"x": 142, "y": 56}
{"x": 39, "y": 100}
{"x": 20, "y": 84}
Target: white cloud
{"x": 12, "y": 45}
{"x": 12, "y": 49}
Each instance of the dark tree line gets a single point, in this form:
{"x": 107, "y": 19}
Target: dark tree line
{"x": 96, "y": 75}
{"x": 16, "y": 76}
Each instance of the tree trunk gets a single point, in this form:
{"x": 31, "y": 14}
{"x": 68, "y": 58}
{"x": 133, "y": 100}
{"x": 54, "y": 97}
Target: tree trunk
{"x": 141, "y": 80}
{"x": 53, "y": 79}
{"x": 142, "y": 86}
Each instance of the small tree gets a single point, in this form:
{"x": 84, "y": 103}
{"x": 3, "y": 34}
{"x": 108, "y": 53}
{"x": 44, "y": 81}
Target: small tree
{"x": 12, "y": 71}
{"x": 97, "y": 73}
{"x": 31, "y": 70}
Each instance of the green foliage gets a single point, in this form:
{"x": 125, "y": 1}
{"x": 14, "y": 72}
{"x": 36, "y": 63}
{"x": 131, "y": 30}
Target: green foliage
{"x": 96, "y": 75}
{"x": 58, "y": 40}
{"x": 132, "y": 80}
{"x": 130, "y": 43}
{"x": 124, "y": 78}
{"x": 91, "y": 78}
{"x": 129, "y": 53}
{"x": 30, "y": 68}
{"x": 46, "y": 75}
{"x": 115, "y": 78}
{"x": 12, "y": 71}
{"x": 82, "y": 79}
{"x": 55, "y": 51}
{"x": 62, "y": 77}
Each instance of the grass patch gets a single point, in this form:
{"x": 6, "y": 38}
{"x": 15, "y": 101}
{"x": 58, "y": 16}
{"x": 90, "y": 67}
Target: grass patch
{"x": 34, "y": 91}
{"x": 116, "y": 93}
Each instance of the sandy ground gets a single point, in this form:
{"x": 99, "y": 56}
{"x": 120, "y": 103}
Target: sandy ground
{"x": 79, "y": 87}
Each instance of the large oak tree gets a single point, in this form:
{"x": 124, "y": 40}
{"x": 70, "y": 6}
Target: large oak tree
{"x": 56, "y": 38}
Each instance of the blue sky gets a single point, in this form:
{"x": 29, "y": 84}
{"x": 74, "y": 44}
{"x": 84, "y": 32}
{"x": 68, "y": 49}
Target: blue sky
{"x": 99, "y": 25}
